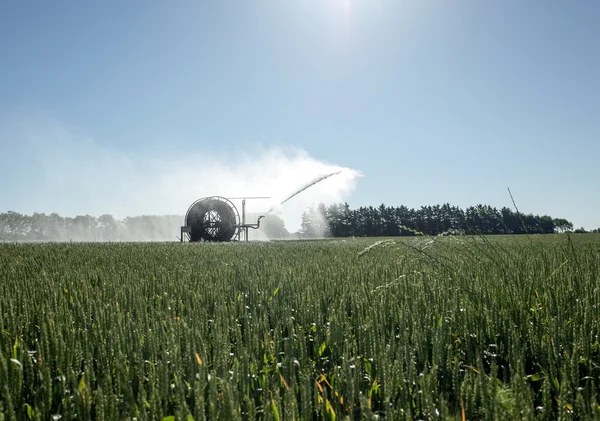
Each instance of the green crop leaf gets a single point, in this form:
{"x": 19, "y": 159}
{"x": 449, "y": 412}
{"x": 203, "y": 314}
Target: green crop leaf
{"x": 275, "y": 410}
{"x": 322, "y": 349}
{"x": 30, "y": 412}
{"x": 329, "y": 410}
{"x": 536, "y": 377}
{"x": 81, "y": 385}
{"x": 15, "y": 348}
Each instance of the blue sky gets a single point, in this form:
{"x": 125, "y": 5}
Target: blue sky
{"x": 432, "y": 101}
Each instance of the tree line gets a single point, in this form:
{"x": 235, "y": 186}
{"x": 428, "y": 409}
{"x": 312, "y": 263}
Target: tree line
{"x": 53, "y": 227}
{"x": 338, "y": 220}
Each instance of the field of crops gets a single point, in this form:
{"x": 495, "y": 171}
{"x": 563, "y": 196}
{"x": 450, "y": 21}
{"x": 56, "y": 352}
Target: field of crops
{"x": 418, "y": 328}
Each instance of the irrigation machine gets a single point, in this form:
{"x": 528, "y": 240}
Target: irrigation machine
{"x": 216, "y": 219}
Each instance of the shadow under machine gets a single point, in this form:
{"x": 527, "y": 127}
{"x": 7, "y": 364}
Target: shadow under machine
{"x": 216, "y": 218}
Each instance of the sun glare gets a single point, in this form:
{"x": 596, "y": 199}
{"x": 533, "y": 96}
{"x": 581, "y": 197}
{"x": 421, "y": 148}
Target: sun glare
{"x": 341, "y": 12}
{"x": 345, "y": 5}
{"x": 341, "y": 7}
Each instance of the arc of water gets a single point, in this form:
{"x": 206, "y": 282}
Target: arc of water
{"x": 306, "y": 186}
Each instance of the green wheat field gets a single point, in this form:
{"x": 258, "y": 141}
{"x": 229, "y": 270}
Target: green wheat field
{"x": 477, "y": 328}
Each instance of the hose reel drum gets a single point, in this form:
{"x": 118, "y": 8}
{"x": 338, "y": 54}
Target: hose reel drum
{"x": 216, "y": 219}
